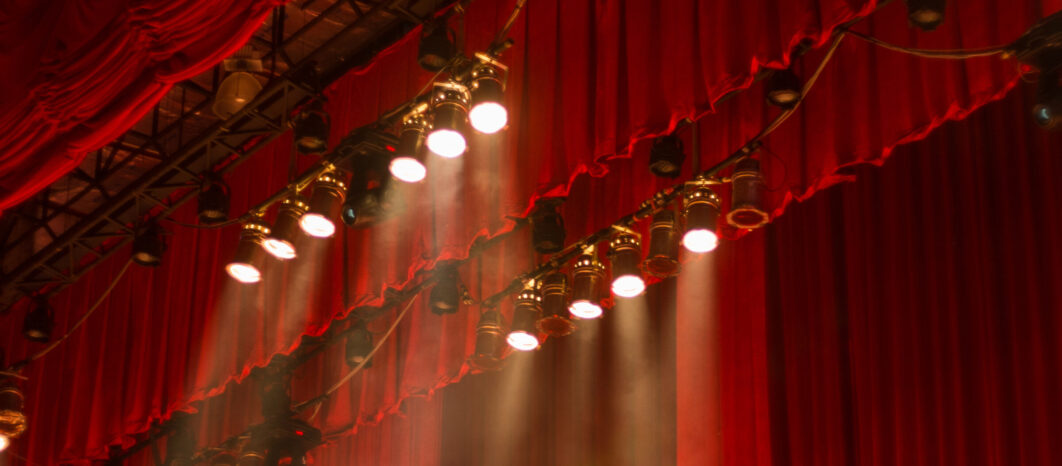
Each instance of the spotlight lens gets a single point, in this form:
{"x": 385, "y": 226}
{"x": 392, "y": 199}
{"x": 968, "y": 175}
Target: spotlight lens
{"x": 488, "y": 117}
{"x": 4, "y": 442}
{"x": 522, "y": 341}
{"x": 628, "y": 286}
{"x": 244, "y": 273}
{"x": 1042, "y": 113}
{"x": 279, "y": 248}
{"x": 700, "y": 240}
{"x": 408, "y": 169}
{"x": 585, "y": 310}
{"x": 447, "y": 143}
{"x": 317, "y": 225}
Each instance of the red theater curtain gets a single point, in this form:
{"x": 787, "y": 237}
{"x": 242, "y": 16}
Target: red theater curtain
{"x": 181, "y": 332}
{"x": 77, "y": 74}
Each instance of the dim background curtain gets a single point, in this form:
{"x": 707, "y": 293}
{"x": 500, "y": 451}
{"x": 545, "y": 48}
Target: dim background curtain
{"x": 183, "y": 336}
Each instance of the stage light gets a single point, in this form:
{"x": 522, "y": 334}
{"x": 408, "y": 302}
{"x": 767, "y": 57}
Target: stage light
{"x": 281, "y": 240}
{"x": 246, "y": 266}
{"x": 663, "y": 245}
{"x": 489, "y": 342}
{"x": 408, "y": 165}
{"x": 625, "y": 254}
{"x": 488, "y": 114}
{"x": 325, "y": 203}
{"x": 436, "y": 48}
{"x": 547, "y": 226}
{"x": 12, "y": 418}
{"x": 746, "y": 199}
{"x": 926, "y": 14}
{"x": 213, "y": 200}
{"x": 523, "y": 335}
{"x": 555, "y": 321}
{"x": 784, "y": 89}
{"x": 37, "y": 326}
{"x": 449, "y": 118}
{"x": 225, "y": 458}
{"x": 311, "y": 127}
{"x": 588, "y": 277}
{"x": 702, "y": 215}
{"x": 1048, "y": 109}
{"x": 445, "y": 296}
{"x": 148, "y": 245}
{"x": 359, "y": 345}
{"x": 666, "y": 156}
{"x": 238, "y": 88}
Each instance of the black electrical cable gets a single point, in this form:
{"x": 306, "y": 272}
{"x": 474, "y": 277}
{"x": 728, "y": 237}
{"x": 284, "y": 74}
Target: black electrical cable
{"x": 955, "y": 54}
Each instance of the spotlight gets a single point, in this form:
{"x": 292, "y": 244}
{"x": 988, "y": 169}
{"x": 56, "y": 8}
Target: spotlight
{"x": 436, "y": 47}
{"x": 239, "y": 88}
{"x": 489, "y": 342}
{"x": 12, "y": 419}
{"x": 246, "y": 266}
{"x": 702, "y": 214}
{"x": 1048, "y": 109}
{"x": 359, "y": 345}
{"x": 325, "y": 203}
{"x": 312, "y": 126}
{"x": 408, "y": 165}
{"x": 281, "y": 240}
{"x": 666, "y": 156}
{"x": 555, "y": 321}
{"x": 449, "y": 117}
{"x": 213, "y": 200}
{"x": 588, "y": 275}
{"x": 784, "y": 89}
{"x": 625, "y": 254}
{"x": 366, "y": 203}
{"x": 663, "y": 245}
{"x": 488, "y": 114}
{"x": 148, "y": 245}
{"x": 926, "y": 14}
{"x": 547, "y": 226}
{"x": 746, "y": 200}
{"x": 523, "y": 336}
{"x": 37, "y": 326}
{"x": 445, "y": 296}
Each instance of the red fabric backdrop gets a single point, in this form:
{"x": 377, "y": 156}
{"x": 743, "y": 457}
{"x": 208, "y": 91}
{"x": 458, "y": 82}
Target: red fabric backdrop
{"x": 77, "y": 74}
{"x": 179, "y": 333}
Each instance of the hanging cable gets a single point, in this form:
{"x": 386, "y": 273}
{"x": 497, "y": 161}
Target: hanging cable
{"x": 956, "y": 54}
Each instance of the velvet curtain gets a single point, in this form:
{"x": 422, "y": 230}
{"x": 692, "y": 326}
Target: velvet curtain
{"x": 171, "y": 337}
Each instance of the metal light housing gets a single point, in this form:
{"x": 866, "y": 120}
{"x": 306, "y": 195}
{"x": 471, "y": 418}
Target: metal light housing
{"x": 488, "y": 114}
{"x": 588, "y": 279}
{"x": 281, "y": 240}
{"x": 325, "y": 203}
{"x": 747, "y": 192}
{"x": 784, "y": 89}
{"x": 449, "y": 103}
{"x": 555, "y": 321}
{"x": 702, "y": 216}
{"x": 625, "y": 254}
{"x": 490, "y": 342}
{"x": 662, "y": 260}
{"x": 523, "y": 335}
{"x": 246, "y": 266}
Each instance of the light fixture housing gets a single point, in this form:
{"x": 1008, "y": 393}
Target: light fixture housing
{"x": 325, "y": 203}
{"x": 280, "y": 242}
{"x": 547, "y": 226}
{"x": 445, "y": 296}
{"x": 436, "y": 48}
{"x": 246, "y": 266}
{"x": 488, "y": 114}
{"x": 747, "y": 192}
{"x": 238, "y": 88}
{"x": 449, "y": 104}
{"x": 588, "y": 278}
{"x": 12, "y": 418}
{"x": 212, "y": 203}
{"x": 311, "y": 127}
{"x": 1048, "y": 109}
{"x": 490, "y": 342}
{"x": 38, "y": 323}
{"x": 148, "y": 245}
{"x": 625, "y": 254}
{"x": 555, "y": 321}
{"x": 408, "y": 164}
{"x": 784, "y": 89}
{"x": 359, "y": 346}
{"x": 925, "y": 14}
{"x": 523, "y": 335}
{"x": 667, "y": 156}
{"x": 702, "y": 216}
{"x": 662, "y": 260}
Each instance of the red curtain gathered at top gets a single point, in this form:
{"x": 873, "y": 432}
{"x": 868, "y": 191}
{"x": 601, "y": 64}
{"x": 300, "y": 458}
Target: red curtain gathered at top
{"x": 590, "y": 83}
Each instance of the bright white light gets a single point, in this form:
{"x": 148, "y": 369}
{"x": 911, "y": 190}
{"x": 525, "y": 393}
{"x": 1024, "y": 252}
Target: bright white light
{"x": 4, "y": 442}
{"x": 488, "y": 117}
{"x": 447, "y": 143}
{"x": 700, "y": 240}
{"x": 279, "y": 248}
{"x": 408, "y": 169}
{"x": 522, "y": 341}
{"x": 628, "y": 286}
{"x": 585, "y": 309}
{"x": 317, "y": 225}
{"x": 244, "y": 273}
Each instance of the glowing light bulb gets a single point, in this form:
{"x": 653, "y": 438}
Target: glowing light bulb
{"x": 447, "y": 143}
{"x": 244, "y": 273}
{"x": 317, "y": 225}
{"x": 585, "y": 310}
{"x": 408, "y": 169}
{"x": 700, "y": 240}
{"x": 628, "y": 286}
{"x": 279, "y": 248}
{"x": 522, "y": 341}
{"x": 488, "y": 117}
